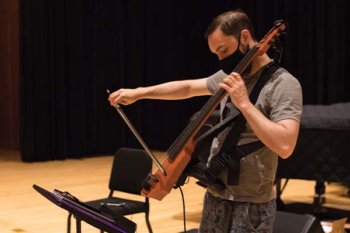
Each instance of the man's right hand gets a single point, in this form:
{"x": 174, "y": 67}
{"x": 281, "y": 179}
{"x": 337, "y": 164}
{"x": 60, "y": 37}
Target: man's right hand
{"x": 123, "y": 96}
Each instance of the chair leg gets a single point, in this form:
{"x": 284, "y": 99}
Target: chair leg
{"x": 68, "y": 222}
{"x": 148, "y": 223}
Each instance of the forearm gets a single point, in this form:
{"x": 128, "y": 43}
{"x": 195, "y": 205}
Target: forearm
{"x": 168, "y": 91}
{"x": 280, "y": 137}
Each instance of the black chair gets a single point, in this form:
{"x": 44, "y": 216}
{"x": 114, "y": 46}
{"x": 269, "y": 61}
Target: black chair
{"x": 130, "y": 168}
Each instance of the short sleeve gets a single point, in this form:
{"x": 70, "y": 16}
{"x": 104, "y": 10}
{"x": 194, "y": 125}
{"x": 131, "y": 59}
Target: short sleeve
{"x": 286, "y": 98}
{"x": 214, "y": 80}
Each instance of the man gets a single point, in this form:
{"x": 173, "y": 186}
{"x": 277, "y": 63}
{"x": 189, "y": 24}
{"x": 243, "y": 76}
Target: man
{"x": 273, "y": 119}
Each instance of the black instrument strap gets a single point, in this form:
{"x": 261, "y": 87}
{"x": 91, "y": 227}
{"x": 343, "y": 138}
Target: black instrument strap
{"x": 216, "y": 129}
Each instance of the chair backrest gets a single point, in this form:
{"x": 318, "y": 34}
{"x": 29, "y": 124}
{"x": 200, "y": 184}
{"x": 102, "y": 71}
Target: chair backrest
{"x": 129, "y": 170}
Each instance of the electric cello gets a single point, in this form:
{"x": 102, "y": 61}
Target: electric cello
{"x": 158, "y": 185}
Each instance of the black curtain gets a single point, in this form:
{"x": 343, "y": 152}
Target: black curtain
{"x": 73, "y": 50}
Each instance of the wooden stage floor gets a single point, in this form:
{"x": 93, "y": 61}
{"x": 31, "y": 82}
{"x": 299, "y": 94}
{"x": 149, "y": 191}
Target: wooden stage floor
{"x": 22, "y": 209}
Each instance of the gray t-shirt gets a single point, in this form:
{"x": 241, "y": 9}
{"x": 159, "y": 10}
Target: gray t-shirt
{"x": 279, "y": 99}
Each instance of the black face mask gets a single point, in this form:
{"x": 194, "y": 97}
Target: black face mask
{"x": 229, "y": 63}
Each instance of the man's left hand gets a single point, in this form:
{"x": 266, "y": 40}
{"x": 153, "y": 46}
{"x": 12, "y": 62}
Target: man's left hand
{"x": 234, "y": 85}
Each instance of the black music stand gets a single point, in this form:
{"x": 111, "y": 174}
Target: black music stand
{"x": 82, "y": 212}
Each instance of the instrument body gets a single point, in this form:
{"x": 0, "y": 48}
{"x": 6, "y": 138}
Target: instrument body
{"x": 179, "y": 154}
{"x": 163, "y": 184}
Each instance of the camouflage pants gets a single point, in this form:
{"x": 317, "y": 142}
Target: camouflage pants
{"x": 223, "y": 216}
